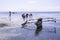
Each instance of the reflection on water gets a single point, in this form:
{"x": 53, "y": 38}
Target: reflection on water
{"x": 38, "y": 29}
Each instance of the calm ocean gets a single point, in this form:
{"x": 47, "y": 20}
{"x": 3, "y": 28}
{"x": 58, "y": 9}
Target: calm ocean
{"x": 28, "y": 33}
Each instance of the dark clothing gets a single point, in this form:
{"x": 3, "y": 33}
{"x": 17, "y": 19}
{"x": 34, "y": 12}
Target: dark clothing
{"x": 9, "y": 13}
{"x": 23, "y": 16}
{"x": 30, "y": 15}
{"x": 39, "y": 23}
{"x": 39, "y": 26}
{"x": 26, "y": 15}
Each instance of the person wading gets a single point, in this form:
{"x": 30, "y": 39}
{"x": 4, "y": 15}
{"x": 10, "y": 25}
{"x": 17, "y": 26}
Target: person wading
{"x": 27, "y": 16}
{"x": 10, "y": 15}
{"x": 39, "y": 26}
{"x": 23, "y": 16}
{"x": 30, "y": 16}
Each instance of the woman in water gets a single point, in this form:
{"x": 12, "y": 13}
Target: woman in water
{"x": 23, "y": 16}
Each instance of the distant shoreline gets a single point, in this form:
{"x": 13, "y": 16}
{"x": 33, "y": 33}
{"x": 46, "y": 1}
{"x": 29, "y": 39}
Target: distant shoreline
{"x": 29, "y": 12}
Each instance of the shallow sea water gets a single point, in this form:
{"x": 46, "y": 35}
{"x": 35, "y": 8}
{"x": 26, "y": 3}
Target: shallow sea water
{"x": 47, "y": 32}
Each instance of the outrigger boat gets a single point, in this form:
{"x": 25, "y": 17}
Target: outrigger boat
{"x": 34, "y": 20}
{"x": 38, "y": 23}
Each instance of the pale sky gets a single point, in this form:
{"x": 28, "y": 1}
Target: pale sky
{"x": 29, "y": 5}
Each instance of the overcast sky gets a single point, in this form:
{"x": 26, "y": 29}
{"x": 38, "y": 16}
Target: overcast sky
{"x": 29, "y": 5}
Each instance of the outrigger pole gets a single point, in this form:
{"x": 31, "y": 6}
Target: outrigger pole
{"x": 47, "y": 20}
{"x": 29, "y": 21}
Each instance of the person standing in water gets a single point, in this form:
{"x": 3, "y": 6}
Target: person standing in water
{"x": 10, "y": 15}
{"x": 26, "y": 17}
{"x": 39, "y": 26}
{"x": 30, "y": 16}
{"x": 23, "y": 16}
